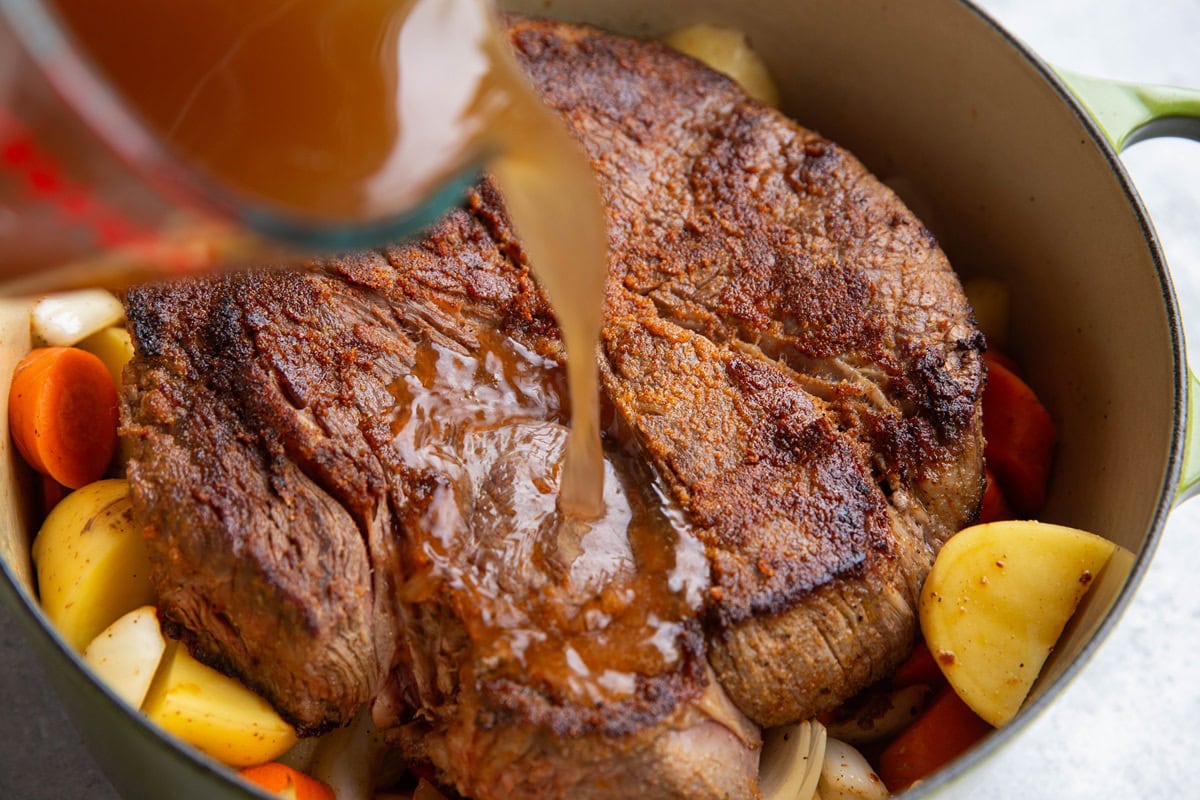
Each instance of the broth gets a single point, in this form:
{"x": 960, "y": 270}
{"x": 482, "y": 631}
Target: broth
{"x": 356, "y": 110}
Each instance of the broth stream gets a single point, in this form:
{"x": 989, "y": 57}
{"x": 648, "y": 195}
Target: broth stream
{"x": 357, "y": 109}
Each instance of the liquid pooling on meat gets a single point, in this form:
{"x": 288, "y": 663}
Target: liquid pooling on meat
{"x": 379, "y": 442}
{"x": 580, "y": 606}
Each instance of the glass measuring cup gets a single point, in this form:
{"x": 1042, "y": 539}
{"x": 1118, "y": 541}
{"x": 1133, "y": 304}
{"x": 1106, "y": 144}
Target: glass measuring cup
{"x": 89, "y": 194}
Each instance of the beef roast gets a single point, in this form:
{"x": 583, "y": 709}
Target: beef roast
{"x": 347, "y": 475}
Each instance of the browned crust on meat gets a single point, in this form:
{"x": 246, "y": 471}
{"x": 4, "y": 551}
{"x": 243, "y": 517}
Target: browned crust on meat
{"x": 784, "y": 344}
{"x": 852, "y": 370}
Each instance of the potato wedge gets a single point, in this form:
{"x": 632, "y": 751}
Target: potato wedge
{"x": 91, "y": 561}
{"x": 996, "y": 602}
{"x": 215, "y": 713}
{"x": 728, "y": 51}
{"x": 127, "y": 653}
{"x": 114, "y": 347}
{"x": 989, "y": 298}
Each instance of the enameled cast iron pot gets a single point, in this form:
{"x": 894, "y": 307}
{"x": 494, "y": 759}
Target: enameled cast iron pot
{"x": 1018, "y": 170}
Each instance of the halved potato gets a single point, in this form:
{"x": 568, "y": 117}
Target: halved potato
{"x": 215, "y": 713}
{"x": 127, "y": 653}
{"x": 728, "y": 51}
{"x": 92, "y": 565}
{"x": 996, "y": 601}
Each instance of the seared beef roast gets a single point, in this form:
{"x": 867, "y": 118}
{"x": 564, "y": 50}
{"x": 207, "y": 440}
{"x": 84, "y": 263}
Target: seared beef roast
{"x": 348, "y": 474}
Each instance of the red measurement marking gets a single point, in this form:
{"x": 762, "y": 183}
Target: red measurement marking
{"x": 18, "y": 151}
{"x": 77, "y": 205}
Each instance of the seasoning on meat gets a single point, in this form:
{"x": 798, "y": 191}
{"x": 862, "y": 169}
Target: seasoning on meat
{"x": 348, "y": 474}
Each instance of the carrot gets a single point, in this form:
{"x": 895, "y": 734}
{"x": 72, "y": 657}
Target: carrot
{"x": 920, "y": 668}
{"x": 52, "y": 492}
{"x": 994, "y": 356}
{"x": 1020, "y": 438}
{"x": 62, "y": 411}
{"x": 278, "y": 779}
{"x": 994, "y": 506}
{"x": 945, "y": 731}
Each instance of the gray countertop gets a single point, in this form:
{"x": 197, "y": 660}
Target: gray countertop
{"x": 1129, "y": 726}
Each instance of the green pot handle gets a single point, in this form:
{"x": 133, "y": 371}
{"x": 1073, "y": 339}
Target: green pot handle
{"x": 1131, "y": 112}
{"x": 1128, "y": 113}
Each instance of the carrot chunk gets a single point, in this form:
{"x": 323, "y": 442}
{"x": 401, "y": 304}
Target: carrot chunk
{"x": 62, "y": 411}
{"x": 920, "y": 668}
{"x": 52, "y": 493}
{"x": 286, "y": 782}
{"x": 945, "y": 731}
{"x": 994, "y": 356}
{"x": 1020, "y": 438}
{"x": 994, "y": 507}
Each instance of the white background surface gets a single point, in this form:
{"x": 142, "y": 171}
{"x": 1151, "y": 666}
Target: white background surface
{"x": 1129, "y": 726}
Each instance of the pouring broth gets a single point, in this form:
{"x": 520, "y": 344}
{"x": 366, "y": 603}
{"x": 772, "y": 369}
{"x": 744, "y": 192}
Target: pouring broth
{"x": 358, "y": 110}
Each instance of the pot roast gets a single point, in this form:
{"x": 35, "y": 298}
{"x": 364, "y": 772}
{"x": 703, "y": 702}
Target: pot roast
{"x": 348, "y": 474}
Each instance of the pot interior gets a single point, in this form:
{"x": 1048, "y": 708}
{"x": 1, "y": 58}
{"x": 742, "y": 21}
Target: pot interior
{"x": 1016, "y": 184}
{"x": 1009, "y": 177}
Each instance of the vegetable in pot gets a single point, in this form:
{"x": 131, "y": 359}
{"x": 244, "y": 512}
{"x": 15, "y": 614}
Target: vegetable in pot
{"x": 1020, "y": 437}
{"x": 114, "y": 347}
{"x": 286, "y": 782}
{"x": 91, "y": 561}
{"x": 727, "y": 51}
{"x": 126, "y": 654}
{"x": 940, "y": 735}
{"x": 996, "y": 601}
{"x": 62, "y": 412}
{"x": 66, "y": 318}
{"x": 846, "y": 775}
{"x": 215, "y": 713}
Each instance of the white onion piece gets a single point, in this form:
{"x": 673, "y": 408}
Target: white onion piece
{"x": 846, "y": 775}
{"x": 790, "y": 765}
{"x": 348, "y": 760}
{"x": 63, "y": 319}
{"x": 882, "y": 716}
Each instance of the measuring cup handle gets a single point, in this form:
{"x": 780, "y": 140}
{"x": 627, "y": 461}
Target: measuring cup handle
{"x": 1128, "y": 113}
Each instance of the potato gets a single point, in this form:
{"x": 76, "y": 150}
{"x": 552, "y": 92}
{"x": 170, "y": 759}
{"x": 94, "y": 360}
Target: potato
{"x": 65, "y": 318}
{"x": 91, "y": 561}
{"x": 214, "y": 713}
{"x": 996, "y": 602}
{"x": 126, "y": 654}
{"x": 112, "y": 346}
{"x": 989, "y": 298}
{"x": 727, "y": 51}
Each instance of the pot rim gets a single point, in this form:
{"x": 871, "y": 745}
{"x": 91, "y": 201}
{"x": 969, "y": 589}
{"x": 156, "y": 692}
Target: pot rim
{"x": 35, "y": 624}
{"x": 946, "y": 776}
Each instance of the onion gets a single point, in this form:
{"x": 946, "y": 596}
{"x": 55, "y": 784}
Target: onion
{"x": 63, "y": 319}
{"x": 791, "y": 760}
{"x": 846, "y": 775}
